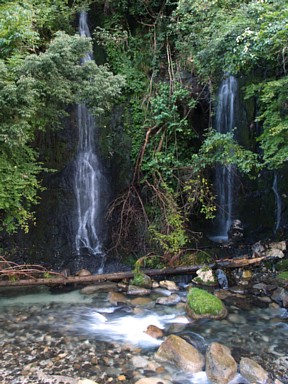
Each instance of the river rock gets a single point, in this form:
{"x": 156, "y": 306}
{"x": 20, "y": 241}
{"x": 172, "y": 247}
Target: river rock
{"x": 83, "y": 273}
{"x": 86, "y": 381}
{"x": 274, "y": 252}
{"x": 252, "y": 371}
{"x": 152, "y": 380}
{"x": 139, "y": 361}
{"x": 176, "y": 350}
{"x": 258, "y": 249}
{"x": 142, "y": 301}
{"x": 115, "y": 298}
{"x": 154, "y": 332}
{"x": 222, "y": 279}
{"x": 91, "y": 289}
{"x": 137, "y": 291}
{"x": 205, "y": 276}
{"x": 168, "y": 284}
{"x": 170, "y": 300}
{"x": 220, "y": 365}
{"x": 279, "y": 245}
{"x": 280, "y": 296}
{"x": 144, "y": 281}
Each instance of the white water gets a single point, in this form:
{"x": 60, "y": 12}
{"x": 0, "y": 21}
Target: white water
{"x": 225, "y": 122}
{"x": 278, "y": 203}
{"x": 88, "y": 178}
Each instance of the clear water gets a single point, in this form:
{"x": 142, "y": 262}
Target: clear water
{"x": 259, "y": 333}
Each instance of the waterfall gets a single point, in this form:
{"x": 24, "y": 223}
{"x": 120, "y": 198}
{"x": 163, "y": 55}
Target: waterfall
{"x": 88, "y": 178}
{"x": 278, "y": 203}
{"x": 225, "y": 175}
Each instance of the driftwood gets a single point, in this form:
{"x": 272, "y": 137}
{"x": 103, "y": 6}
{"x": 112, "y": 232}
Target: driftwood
{"x": 62, "y": 280}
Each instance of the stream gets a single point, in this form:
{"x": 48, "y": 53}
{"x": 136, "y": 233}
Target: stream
{"x": 53, "y": 337}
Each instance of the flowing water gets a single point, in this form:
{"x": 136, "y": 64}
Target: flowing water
{"x": 225, "y": 175}
{"x": 88, "y": 179}
{"x": 278, "y": 203}
{"x": 45, "y": 336}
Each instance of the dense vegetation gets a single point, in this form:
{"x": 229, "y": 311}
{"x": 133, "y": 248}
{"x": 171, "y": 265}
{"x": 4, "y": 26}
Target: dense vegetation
{"x": 172, "y": 55}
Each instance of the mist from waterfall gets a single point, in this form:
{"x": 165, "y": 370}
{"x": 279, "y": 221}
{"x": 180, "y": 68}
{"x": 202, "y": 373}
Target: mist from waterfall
{"x": 88, "y": 178}
{"x": 225, "y": 175}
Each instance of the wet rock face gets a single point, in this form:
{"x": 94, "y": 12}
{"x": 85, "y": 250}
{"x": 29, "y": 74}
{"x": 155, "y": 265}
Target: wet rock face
{"x": 220, "y": 365}
{"x": 236, "y": 232}
{"x": 176, "y": 350}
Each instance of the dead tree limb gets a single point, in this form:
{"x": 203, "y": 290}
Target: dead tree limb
{"x": 62, "y": 280}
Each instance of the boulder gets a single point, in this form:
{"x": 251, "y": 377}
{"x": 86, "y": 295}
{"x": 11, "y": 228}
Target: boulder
{"x": 279, "y": 245}
{"x": 202, "y": 304}
{"x": 139, "y": 291}
{"x": 154, "y": 331}
{"x": 91, "y": 289}
{"x": 115, "y": 298}
{"x": 274, "y": 252}
{"x": 205, "y": 276}
{"x": 170, "y": 300}
{"x": 83, "y": 273}
{"x": 142, "y": 280}
{"x": 258, "y": 249}
{"x": 252, "y": 371}
{"x": 170, "y": 285}
{"x": 177, "y": 351}
{"x": 220, "y": 365}
{"x": 222, "y": 278}
{"x": 280, "y": 296}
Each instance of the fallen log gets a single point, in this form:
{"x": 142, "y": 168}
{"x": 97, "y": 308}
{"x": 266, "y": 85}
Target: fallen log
{"x": 62, "y": 280}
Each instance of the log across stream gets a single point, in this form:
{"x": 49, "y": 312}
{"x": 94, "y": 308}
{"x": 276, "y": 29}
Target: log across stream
{"x": 62, "y": 280}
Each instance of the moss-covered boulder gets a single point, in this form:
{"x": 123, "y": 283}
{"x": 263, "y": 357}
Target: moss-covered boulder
{"x": 141, "y": 280}
{"x": 202, "y": 304}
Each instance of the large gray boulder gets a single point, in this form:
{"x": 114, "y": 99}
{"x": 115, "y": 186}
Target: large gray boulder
{"x": 220, "y": 365}
{"x": 177, "y": 351}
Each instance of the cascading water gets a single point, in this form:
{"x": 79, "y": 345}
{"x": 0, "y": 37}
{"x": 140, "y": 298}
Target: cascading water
{"x": 278, "y": 203}
{"x": 88, "y": 178}
{"x": 225, "y": 122}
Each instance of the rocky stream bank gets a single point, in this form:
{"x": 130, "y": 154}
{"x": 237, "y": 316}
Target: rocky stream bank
{"x": 120, "y": 333}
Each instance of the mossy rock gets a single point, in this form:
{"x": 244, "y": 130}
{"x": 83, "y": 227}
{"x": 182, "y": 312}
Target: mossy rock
{"x": 202, "y": 304}
{"x": 141, "y": 280}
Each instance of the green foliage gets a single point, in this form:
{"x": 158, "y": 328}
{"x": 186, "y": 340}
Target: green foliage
{"x": 222, "y": 148}
{"x": 203, "y": 302}
{"x": 174, "y": 238}
{"x": 273, "y": 96}
{"x": 198, "y": 193}
{"x": 35, "y": 90}
{"x": 231, "y": 36}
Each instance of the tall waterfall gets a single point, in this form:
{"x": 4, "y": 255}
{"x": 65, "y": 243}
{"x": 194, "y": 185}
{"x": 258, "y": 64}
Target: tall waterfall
{"x": 278, "y": 203}
{"x": 225, "y": 175}
{"x": 88, "y": 178}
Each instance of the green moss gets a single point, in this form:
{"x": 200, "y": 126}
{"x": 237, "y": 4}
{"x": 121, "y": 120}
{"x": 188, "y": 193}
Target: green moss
{"x": 283, "y": 275}
{"x": 203, "y": 302}
{"x": 138, "y": 279}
